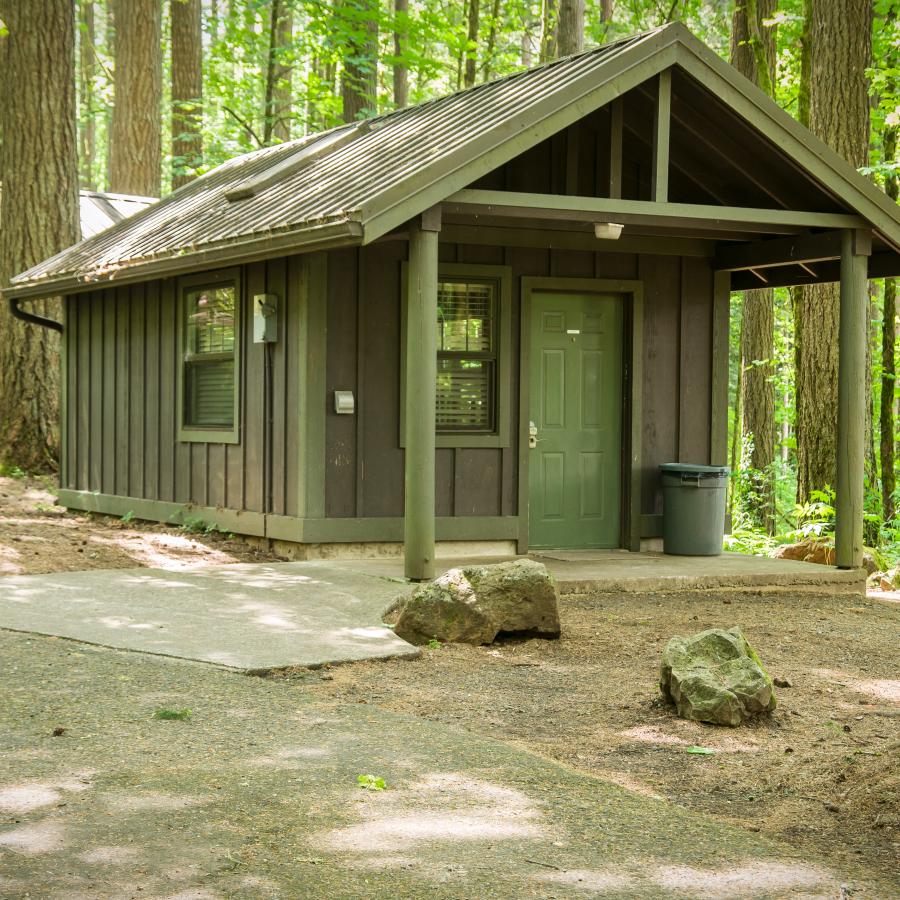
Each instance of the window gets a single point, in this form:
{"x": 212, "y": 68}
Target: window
{"x": 473, "y": 357}
{"x": 467, "y": 356}
{"x": 209, "y": 338}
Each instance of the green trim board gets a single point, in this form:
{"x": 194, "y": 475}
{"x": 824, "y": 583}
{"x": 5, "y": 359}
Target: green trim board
{"x": 718, "y": 435}
{"x": 503, "y": 276}
{"x": 238, "y": 521}
{"x": 644, "y": 212}
{"x": 632, "y": 291}
{"x": 216, "y": 278}
{"x": 290, "y": 528}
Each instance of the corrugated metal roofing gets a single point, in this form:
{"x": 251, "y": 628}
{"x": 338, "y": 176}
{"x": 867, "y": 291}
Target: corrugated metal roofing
{"x": 338, "y": 186}
{"x": 355, "y": 182}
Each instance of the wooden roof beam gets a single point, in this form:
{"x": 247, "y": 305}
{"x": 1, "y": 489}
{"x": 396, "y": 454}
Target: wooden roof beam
{"x": 799, "y": 250}
{"x": 662, "y": 126}
{"x": 643, "y": 212}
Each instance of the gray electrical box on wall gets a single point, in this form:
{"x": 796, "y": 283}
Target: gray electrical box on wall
{"x": 265, "y": 322}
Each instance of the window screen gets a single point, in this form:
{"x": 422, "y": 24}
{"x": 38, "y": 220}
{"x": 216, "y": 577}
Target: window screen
{"x": 209, "y": 364}
{"x": 467, "y": 356}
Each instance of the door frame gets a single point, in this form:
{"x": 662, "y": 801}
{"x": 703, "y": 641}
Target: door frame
{"x": 632, "y": 293}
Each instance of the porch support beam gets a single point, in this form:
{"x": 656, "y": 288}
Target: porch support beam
{"x": 421, "y": 378}
{"x": 643, "y": 212}
{"x": 851, "y": 400}
{"x": 662, "y": 123}
{"x": 798, "y": 250}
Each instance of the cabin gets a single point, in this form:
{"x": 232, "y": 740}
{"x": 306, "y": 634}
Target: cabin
{"x": 481, "y": 322}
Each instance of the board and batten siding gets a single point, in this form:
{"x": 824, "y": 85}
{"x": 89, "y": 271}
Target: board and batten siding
{"x": 364, "y": 459}
{"x": 121, "y": 432}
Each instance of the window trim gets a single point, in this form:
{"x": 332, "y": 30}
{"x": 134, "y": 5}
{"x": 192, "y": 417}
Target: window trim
{"x": 216, "y": 279}
{"x": 502, "y": 275}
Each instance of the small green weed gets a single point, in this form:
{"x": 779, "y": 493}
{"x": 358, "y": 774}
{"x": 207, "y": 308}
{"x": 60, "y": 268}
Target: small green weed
{"x": 8, "y": 471}
{"x": 128, "y": 517}
{"x": 433, "y": 644}
{"x": 169, "y": 715}
{"x": 198, "y": 525}
{"x": 371, "y": 782}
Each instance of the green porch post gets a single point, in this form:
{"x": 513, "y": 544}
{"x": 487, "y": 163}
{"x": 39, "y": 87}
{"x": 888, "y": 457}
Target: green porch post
{"x": 855, "y": 249}
{"x": 421, "y": 378}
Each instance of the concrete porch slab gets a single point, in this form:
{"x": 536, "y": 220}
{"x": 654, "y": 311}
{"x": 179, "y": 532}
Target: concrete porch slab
{"x": 246, "y": 617}
{"x": 617, "y": 571}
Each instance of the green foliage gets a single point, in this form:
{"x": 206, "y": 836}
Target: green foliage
{"x": 433, "y": 644}
{"x": 128, "y": 517}
{"x": 199, "y": 525}
{"x": 11, "y": 471}
{"x": 371, "y": 782}
{"x": 172, "y": 715}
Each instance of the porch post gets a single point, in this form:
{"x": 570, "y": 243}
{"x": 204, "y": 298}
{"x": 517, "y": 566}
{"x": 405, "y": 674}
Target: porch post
{"x": 421, "y": 379}
{"x": 855, "y": 249}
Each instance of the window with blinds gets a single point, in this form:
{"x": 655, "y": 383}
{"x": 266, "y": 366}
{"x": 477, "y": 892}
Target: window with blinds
{"x": 209, "y": 357}
{"x": 467, "y": 356}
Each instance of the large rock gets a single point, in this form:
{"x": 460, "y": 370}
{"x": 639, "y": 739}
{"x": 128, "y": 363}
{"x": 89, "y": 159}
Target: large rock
{"x": 815, "y": 551}
{"x": 473, "y": 604}
{"x": 715, "y": 676}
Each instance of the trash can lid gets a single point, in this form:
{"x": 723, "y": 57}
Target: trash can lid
{"x": 690, "y": 469}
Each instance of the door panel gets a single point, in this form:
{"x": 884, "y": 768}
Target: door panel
{"x": 576, "y": 405}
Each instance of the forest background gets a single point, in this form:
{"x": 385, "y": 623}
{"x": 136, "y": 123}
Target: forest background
{"x": 142, "y": 96}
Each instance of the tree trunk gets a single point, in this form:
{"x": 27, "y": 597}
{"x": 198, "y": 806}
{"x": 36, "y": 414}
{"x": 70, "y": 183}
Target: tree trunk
{"x": 87, "y": 66}
{"x": 753, "y": 55}
{"x": 277, "y": 125}
{"x": 135, "y": 136}
{"x": 606, "y": 10}
{"x": 39, "y": 173}
{"x": 359, "y": 81}
{"x": 570, "y": 29}
{"x": 548, "y": 30}
{"x": 491, "y": 47}
{"x": 840, "y": 49}
{"x": 474, "y": 14}
{"x": 889, "y": 348}
{"x": 187, "y": 90}
{"x": 401, "y": 70}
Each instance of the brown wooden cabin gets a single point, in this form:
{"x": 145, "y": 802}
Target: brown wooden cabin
{"x": 344, "y": 339}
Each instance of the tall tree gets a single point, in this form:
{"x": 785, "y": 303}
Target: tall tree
{"x": 548, "y": 30}
{"x": 840, "y": 49}
{"x": 135, "y": 163}
{"x": 889, "y": 346}
{"x": 401, "y": 38}
{"x": 277, "y": 125}
{"x": 358, "y": 20}
{"x": 471, "y": 49}
{"x": 87, "y": 66}
{"x": 187, "y": 90}
{"x": 753, "y": 51}
{"x": 570, "y": 28}
{"x": 39, "y": 211}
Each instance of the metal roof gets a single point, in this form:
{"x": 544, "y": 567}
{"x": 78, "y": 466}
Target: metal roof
{"x": 356, "y": 182}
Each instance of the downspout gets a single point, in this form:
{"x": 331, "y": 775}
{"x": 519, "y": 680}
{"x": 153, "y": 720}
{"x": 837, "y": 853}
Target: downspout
{"x": 31, "y": 318}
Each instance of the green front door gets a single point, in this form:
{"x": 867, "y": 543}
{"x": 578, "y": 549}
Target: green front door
{"x": 575, "y": 460}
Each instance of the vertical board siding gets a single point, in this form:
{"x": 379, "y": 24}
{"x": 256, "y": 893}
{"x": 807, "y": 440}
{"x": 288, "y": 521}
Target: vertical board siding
{"x": 341, "y": 375}
{"x": 662, "y": 346}
{"x": 123, "y": 358}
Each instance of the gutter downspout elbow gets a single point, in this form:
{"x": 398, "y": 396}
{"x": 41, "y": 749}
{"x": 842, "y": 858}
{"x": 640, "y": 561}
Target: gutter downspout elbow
{"x": 31, "y": 318}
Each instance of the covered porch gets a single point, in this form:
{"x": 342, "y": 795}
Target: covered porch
{"x": 775, "y": 209}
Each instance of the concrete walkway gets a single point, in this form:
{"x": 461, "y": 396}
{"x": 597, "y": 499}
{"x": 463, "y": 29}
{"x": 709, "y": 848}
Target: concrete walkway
{"x": 256, "y": 795}
{"x": 247, "y": 617}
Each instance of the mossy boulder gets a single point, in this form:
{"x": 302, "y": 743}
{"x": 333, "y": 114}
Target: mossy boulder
{"x": 715, "y": 676}
{"x": 473, "y": 604}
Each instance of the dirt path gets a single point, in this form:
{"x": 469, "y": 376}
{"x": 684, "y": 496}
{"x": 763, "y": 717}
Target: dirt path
{"x": 823, "y": 774}
{"x": 36, "y": 536}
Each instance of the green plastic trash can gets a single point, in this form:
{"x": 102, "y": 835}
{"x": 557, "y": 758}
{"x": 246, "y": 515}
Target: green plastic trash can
{"x": 693, "y": 508}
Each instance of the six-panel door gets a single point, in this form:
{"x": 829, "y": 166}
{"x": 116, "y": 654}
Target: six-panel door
{"x": 576, "y": 414}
